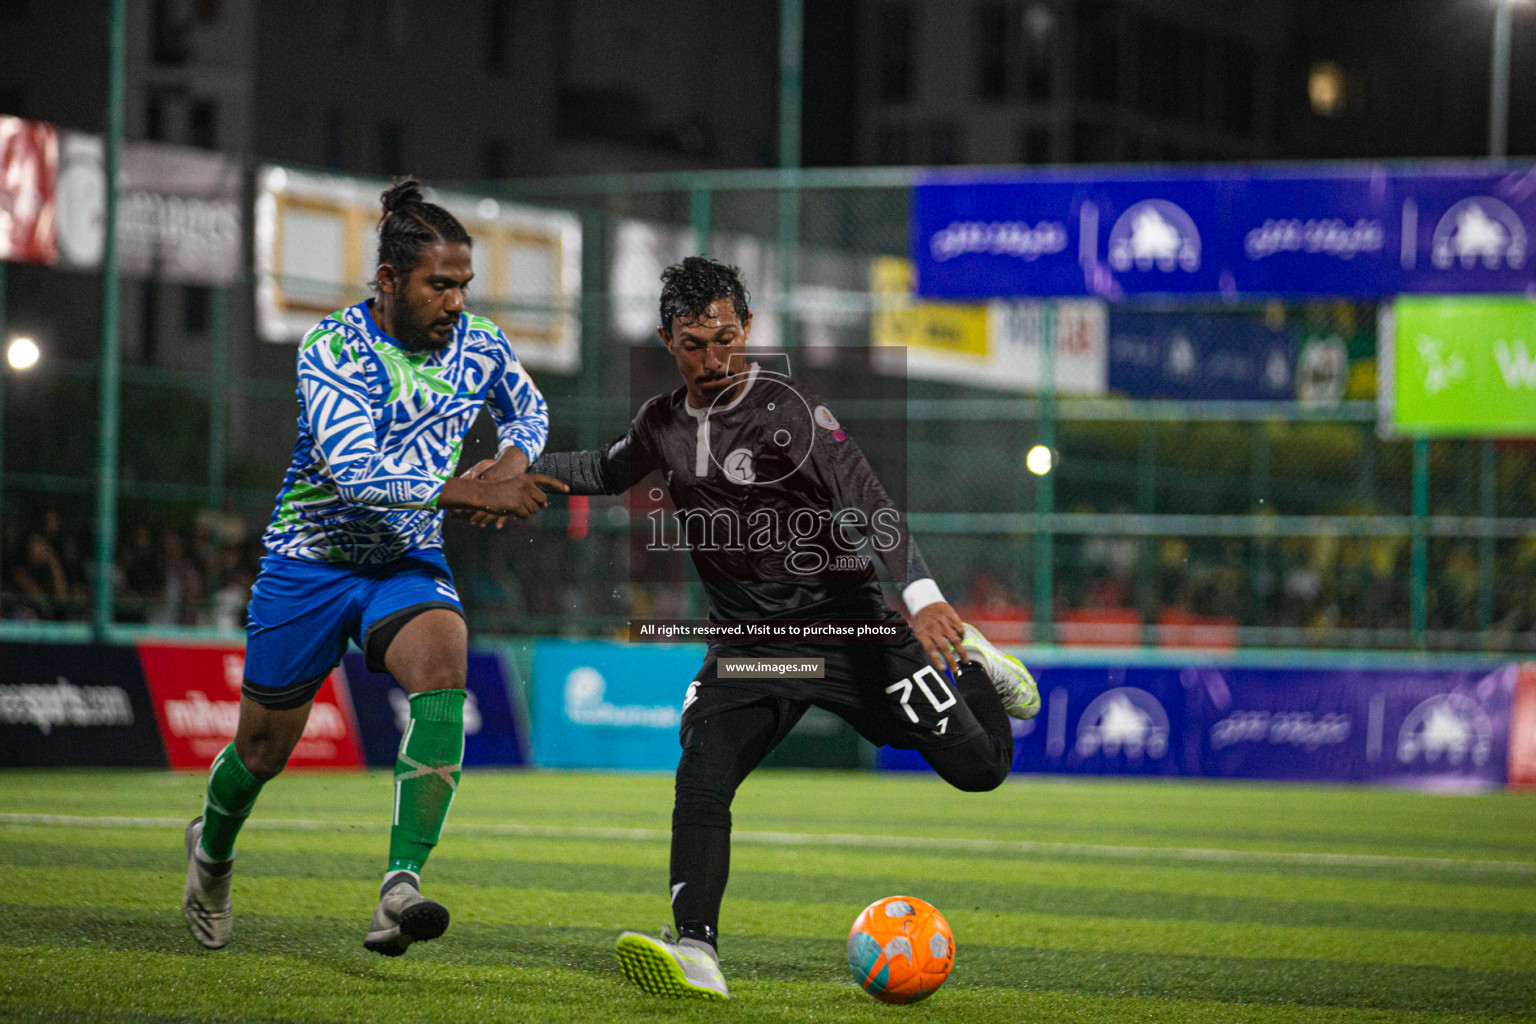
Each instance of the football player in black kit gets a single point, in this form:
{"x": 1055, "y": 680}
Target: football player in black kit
{"x": 777, "y": 484}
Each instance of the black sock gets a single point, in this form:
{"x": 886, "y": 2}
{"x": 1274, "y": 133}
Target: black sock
{"x": 699, "y": 932}
{"x": 701, "y": 864}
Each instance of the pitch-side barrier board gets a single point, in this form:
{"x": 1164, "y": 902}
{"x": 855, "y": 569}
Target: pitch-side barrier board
{"x": 1461, "y": 728}
{"x": 168, "y": 704}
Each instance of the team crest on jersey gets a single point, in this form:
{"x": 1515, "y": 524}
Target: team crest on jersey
{"x": 739, "y": 468}
{"x": 826, "y": 420}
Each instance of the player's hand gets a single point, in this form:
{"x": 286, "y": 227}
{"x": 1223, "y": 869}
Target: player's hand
{"x": 939, "y": 629}
{"x": 521, "y": 496}
{"x": 476, "y": 472}
{"x": 510, "y": 463}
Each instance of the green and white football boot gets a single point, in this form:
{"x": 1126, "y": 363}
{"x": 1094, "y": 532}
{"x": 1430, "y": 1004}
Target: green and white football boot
{"x": 205, "y": 902}
{"x": 1021, "y": 698}
{"x": 666, "y": 967}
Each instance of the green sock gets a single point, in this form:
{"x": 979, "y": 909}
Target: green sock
{"x": 231, "y": 794}
{"x": 426, "y": 776}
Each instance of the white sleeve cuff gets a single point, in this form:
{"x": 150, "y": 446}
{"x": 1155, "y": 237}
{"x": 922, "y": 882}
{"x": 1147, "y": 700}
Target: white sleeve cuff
{"x": 920, "y": 595}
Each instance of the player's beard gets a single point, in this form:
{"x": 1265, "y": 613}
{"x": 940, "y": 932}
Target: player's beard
{"x": 416, "y": 335}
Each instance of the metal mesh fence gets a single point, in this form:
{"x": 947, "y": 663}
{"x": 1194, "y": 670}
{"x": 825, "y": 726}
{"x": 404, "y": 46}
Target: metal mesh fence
{"x": 1291, "y": 522}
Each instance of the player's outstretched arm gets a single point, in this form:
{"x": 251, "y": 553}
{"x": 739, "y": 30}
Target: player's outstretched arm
{"x": 938, "y": 628}
{"x": 608, "y": 470}
{"x": 521, "y": 496}
{"x": 838, "y": 462}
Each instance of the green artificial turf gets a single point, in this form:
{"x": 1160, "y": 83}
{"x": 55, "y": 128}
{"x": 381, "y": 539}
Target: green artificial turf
{"x": 1071, "y": 900}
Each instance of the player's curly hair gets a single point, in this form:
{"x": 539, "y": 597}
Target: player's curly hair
{"x": 687, "y": 289}
{"x": 410, "y": 222}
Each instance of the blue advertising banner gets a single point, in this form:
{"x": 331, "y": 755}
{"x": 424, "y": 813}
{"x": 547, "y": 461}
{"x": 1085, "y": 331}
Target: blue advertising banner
{"x": 1313, "y": 236}
{"x": 1218, "y": 356}
{"x": 1346, "y": 230}
{"x": 597, "y": 704}
{"x": 1424, "y": 727}
{"x": 1152, "y": 236}
{"x": 998, "y": 238}
{"x": 491, "y": 733}
{"x": 1468, "y": 234}
{"x": 1095, "y": 721}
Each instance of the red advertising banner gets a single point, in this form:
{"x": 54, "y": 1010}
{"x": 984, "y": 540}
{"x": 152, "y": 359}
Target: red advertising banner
{"x": 196, "y": 693}
{"x": 1522, "y": 729}
{"x": 29, "y": 171}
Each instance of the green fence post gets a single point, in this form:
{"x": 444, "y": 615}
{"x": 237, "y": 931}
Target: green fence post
{"x": 1045, "y": 487}
{"x": 1146, "y": 504}
{"x": 791, "y": 45}
{"x": 1418, "y": 582}
{"x": 218, "y": 409}
{"x": 1258, "y": 494}
{"x": 698, "y": 217}
{"x": 1487, "y": 508}
{"x": 111, "y": 354}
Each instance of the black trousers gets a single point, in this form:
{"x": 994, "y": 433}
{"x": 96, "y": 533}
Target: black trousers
{"x": 888, "y": 692}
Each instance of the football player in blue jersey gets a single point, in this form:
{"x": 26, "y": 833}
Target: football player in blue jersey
{"x": 387, "y": 390}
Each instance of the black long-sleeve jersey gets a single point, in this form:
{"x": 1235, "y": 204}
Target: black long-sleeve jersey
{"x": 779, "y": 509}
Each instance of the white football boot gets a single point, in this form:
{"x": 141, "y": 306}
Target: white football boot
{"x": 205, "y": 903}
{"x": 1021, "y": 698}
{"x": 667, "y": 967}
{"x": 404, "y": 916}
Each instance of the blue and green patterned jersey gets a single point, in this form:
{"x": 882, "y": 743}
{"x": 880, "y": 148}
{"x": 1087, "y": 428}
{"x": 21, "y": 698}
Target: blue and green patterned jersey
{"x": 381, "y": 428}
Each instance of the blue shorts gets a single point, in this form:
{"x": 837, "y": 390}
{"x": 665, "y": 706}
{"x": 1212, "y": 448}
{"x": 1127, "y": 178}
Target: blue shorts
{"x": 302, "y": 614}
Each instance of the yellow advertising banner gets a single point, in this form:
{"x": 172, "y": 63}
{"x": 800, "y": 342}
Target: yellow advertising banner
{"x": 944, "y": 328}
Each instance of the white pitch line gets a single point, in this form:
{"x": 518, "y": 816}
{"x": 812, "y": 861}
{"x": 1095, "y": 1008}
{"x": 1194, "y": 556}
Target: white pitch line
{"x": 943, "y": 843}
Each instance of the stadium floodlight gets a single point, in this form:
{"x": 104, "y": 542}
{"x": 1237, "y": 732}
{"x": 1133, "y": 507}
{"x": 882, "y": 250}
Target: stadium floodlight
{"x": 22, "y": 353}
{"x": 1039, "y": 460}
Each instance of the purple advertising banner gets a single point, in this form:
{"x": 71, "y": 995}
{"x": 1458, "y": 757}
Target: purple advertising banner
{"x": 491, "y": 735}
{"x": 1354, "y": 229}
{"x": 1231, "y": 356}
{"x": 1413, "y": 726}
{"x": 1467, "y": 234}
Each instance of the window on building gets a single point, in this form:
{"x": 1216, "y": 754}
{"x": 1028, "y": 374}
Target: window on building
{"x": 894, "y": 39}
{"x": 171, "y": 40}
{"x": 203, "y": 125}
{"x": 1035, "y": 144}
{"x": 1098, "y": 52}
{"x": 1037, "y": 23}
{"x": 156, "y": 116}
{"x": 992, "y": 51}
{"x": 196, "y": 308}
{"x": 1015, "y": 50}
{"x": 1193, "y": 53}
{"x": 391, "y": 147}
{"x": 498, "y": 33}
{"x": 1240, "y": 87}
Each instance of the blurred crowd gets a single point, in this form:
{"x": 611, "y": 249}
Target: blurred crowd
{"x": 164, "y": 575}
{"x": 541, "y": 578}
